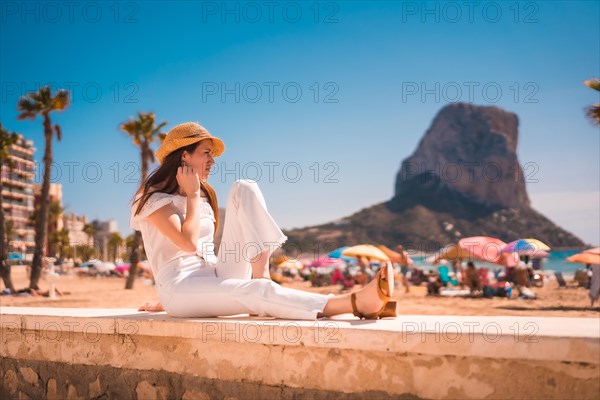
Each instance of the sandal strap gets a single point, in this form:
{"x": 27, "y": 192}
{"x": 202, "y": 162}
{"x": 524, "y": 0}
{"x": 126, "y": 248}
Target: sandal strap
{"x": 354, "y": 308}
{"x": 380, "y": 292}
{"x": 357, "y": 313}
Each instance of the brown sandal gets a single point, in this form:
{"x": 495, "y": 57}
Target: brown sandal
{"x": 385, "y": 310}
{"x": 389, "y": 310}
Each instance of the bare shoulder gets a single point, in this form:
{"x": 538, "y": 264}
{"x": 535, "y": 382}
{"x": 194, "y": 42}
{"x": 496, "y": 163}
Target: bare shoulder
{"x": 151, "y": 189}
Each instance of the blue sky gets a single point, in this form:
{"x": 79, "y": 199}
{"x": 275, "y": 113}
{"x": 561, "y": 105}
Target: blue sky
{"x": 320, "y": 89}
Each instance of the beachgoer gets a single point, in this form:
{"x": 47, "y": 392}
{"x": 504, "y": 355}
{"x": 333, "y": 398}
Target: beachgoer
{"x": 404, "y": 267}
{"x": 595, "y": 283}
{"x": 177, "y": 212}
{"x": 364, "y": 273}
{"x": 434, "y": 283}
{"x": 472, "y": 278}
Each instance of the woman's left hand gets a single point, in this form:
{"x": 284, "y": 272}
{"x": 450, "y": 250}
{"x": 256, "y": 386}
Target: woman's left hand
{"x": 150, "y": 307}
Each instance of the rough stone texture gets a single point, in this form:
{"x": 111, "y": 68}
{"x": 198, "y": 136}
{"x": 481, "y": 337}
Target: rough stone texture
{"x": 120, "y": 353}
{"x": 123, "y": 383}
{"x": 149, "y": 391}
{"x": 464, "y": 179}
{"x": 72, "y": 393}
{"x": 94, "y": 389}
{"x": 52, "y": 390}
{"x": 9, "y": 381}
{"x": 29, "y": 376}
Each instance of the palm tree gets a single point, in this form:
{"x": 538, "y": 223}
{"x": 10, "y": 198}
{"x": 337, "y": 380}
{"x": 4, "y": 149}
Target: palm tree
{"x": 90, "y": 231}
{"x": 593, "y": 112}
{"x": 60, "y": 239}
{"x": 55, "y": 210}
{"x": 6, "y": 140}
{"x": 9, "y": 229}
{"x": 144, "y": 131}
{"x": 34, "y": 104}
{"x": 114, "y": 242}
{"x": 55, "y": 213}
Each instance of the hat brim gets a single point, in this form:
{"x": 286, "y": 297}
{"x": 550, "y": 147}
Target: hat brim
{"x": 167, "y": 148}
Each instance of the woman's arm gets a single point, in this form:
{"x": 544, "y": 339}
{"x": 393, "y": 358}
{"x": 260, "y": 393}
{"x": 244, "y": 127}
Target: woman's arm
{"x": 167, "y": 220}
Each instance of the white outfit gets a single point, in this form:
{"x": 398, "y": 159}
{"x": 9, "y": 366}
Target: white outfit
{"x": 203, "y": 284}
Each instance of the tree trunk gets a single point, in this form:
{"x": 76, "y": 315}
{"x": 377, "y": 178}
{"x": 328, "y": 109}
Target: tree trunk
{"x": 135, "y": 247}
{"x": 134, "y": 258}
{"x": 41, "y": 226}
{"x": 4, "y": 262}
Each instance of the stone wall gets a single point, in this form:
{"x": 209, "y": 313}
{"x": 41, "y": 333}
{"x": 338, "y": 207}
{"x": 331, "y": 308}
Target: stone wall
{"x": 117, "y": 354}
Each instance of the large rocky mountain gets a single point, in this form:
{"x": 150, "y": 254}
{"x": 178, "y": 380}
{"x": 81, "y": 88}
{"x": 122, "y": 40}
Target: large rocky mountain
{"x": 464, "y": 179}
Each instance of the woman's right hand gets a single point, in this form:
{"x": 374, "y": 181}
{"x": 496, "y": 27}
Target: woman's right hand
{"x": 188, "y": 180}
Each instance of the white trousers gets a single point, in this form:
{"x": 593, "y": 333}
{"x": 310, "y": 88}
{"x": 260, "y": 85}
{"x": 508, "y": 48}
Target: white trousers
{"x": 192, "y": 287}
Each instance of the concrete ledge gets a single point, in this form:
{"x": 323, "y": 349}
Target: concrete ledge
{"x": 409, "y": 357}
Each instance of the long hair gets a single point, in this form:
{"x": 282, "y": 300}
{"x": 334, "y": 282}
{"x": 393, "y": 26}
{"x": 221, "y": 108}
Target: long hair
{"x": 164, "y": 180}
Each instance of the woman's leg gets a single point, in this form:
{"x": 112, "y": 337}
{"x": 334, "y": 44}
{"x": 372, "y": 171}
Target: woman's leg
{"x": 198, "y": 295}
{"x": 260, "y": 265}
{"x": 250, "y": 234}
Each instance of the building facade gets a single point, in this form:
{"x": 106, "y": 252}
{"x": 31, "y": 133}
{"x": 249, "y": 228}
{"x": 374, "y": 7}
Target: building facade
{"x": 18, "y": 196}
{"x": 103, "y": 231}
{"x": 75, "y": 224}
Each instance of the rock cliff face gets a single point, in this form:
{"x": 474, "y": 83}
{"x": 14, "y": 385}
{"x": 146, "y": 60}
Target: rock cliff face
{"x": 464, "y": 179}
{"x": 465, "y": 164}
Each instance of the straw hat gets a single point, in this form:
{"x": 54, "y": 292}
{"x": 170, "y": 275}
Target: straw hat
{"x": 185, "y": 134}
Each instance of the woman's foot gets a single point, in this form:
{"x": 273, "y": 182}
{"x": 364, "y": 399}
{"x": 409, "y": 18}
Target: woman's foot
{"x": 368, "y": 300}
{"x": 150, "y": 307}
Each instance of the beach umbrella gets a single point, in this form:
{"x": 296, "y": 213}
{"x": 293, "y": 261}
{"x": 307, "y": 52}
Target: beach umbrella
{"x": 337, "y": 253}
{"x": 595, "y": 250}
{"x": 366, "y": 250}
{"x": 524, "y": 247}
{"x": 540, "y": 254}
{"x": 529, "y": 248}
{"x": 394, "y": 255}
{"x": 585, "y": 258}
{"x": 326, "y": 261}
{"x": 489, "y": 249}
{"x": 451, "y": 252}
{"x": 521, "y": 247}
{"x": 538, "y": 244}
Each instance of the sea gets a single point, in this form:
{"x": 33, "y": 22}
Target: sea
{"x": 556, "y": 261}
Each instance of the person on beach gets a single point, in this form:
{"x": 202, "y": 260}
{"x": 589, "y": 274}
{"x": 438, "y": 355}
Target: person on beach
{"x": 472, "y": 278}
{"x": 594, "y": 292}
{"x": 404, "y": 267}
{"x": 177, "y": 212}
{"x": 365, "y": 273}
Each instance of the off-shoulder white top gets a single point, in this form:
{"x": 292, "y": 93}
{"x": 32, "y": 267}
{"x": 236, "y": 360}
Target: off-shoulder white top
{"x": 159, "y": 248}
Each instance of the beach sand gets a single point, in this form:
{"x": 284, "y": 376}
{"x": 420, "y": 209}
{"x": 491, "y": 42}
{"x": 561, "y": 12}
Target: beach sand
{"x": 109, "y": 292}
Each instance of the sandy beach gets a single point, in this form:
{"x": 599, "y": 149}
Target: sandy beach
{"x": 109, "y": 292}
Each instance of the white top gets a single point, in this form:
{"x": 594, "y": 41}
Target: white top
{"x": 159, "y": 248}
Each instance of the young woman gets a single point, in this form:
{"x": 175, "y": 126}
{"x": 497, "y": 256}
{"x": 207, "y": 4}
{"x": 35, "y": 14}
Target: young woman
{"x": 177, "y": 212}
